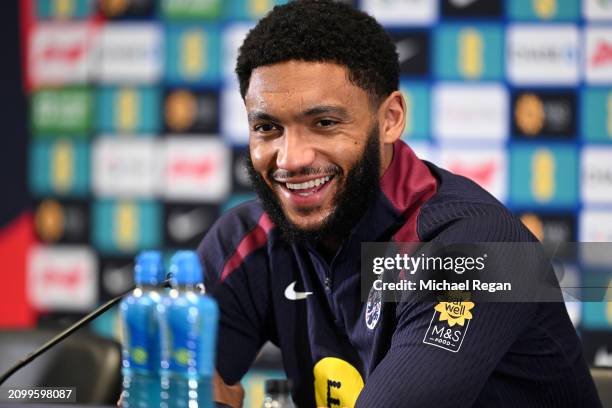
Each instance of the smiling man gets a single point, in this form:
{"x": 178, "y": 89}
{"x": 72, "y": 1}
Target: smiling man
{"x": 320, "y": 85}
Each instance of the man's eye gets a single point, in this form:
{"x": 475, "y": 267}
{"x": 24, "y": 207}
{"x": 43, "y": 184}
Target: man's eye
{"x": 326, "y": 123}
{"x": 266, "y": 127}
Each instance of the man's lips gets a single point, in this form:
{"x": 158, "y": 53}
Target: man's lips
{"x": 302, "y": 192}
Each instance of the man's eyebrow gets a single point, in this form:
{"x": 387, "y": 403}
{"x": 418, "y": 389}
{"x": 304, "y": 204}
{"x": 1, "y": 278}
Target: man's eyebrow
{"x": 322, "y": 109}
{"x": 315, "y": 110}
{"x": 260, "y": 115}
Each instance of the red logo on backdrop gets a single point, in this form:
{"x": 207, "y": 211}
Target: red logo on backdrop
{"x": 602, "y": 55}
{"x": 62, "y": 277}
{"x": 69, "y": 54}
{"x": 69, "y": 279}
{"x": 61, "y": 54}
{"x": 198, "y": 169}
{"x": 480, "y": 173}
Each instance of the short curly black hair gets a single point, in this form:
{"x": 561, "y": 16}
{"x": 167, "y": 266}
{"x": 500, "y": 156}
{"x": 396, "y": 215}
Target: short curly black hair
{"x": 323, "y": 31}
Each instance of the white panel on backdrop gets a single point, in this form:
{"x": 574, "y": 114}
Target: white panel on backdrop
{"x": 62, "y": 278}
{"x": 470, "y": 112}
{"x": 598, "y": 58}
{"x": 233, "y": 36}
{"x": 486, "y": 166}
{"x": 595, "y": 226}
{"x": 130, "y": 52}
{"x": 125, "y": 166}
{"x": 396, "y": 12}
{"x": 234, "y": 122}
{"x": 541, "y": 54}
{"x": 598, "y": 10}
{"x": 596, "y": 175}
{"x": 61, "y": 53}
{"x": 425, "y": 151}
{"x": 197, "y": 168}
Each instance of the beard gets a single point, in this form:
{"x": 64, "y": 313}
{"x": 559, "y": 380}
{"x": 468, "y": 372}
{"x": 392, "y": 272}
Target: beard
{"x": 354, "y": 196}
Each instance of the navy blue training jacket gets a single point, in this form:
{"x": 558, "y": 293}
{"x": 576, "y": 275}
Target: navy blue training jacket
{"x": 340, "y": 354}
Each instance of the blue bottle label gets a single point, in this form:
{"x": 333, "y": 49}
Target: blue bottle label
{"x": 141, "y": 334}
{"x": 190, "y": 330}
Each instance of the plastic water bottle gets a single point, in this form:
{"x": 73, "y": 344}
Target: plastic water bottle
{"x": 141, "y": 345}
{"x": 278, "y": 394}
{"x": 188, "y": 321}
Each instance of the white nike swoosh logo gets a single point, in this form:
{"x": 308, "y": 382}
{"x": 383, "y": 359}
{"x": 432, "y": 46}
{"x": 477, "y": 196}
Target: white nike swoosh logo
{"x": 185, "y": 226}
{"x": 291, "y": 294}
{"x": 406, "y": 49}
{"x": 462, "y": 3}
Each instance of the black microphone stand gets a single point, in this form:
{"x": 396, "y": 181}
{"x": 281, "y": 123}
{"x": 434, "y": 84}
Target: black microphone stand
{"x": 62, "y": 335}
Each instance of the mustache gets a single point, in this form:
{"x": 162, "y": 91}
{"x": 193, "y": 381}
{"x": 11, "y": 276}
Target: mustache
{"x": 332, "y": 170}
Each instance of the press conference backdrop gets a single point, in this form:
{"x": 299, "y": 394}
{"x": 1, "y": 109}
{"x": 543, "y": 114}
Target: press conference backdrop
{"x": 138, "y": 132}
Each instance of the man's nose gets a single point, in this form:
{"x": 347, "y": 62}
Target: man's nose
{"x": 296, "y": 152}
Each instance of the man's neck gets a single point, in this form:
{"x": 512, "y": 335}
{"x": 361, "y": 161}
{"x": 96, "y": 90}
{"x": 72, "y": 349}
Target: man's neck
{"x": 329, "y": 247}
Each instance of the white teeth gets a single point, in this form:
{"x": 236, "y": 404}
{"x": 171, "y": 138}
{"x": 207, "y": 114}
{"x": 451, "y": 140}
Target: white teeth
{"x": 308, "y": 184}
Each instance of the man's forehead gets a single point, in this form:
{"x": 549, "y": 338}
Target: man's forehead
{"x": 302, "y": 83}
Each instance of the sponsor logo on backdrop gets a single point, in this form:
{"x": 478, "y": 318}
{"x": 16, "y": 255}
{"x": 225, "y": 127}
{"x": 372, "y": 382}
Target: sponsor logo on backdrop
{"x": 413, "y": 52}
{"x": 191, "y": 9}
{"x": 603, "y": 357}
{"x": 125, "y": 166}
{"x": 62, "y": 221}
{"x": 130, "y": 52}
{"x": 64, "y": 9}
{"x": 543, "y": 55}
{"x": 471, "y": 8}
{"x": 197, "y": 168}
{"x": 191, "y": 111}
{"x": 126, "y": 226}
{"x": 544, "y": 114}
{"x": 251, "y": 9}
{"x": 116, "y": 276}
{"x": 128, "y": 110}
{"x": 469, "y": 52}
{"x": 62, "y": 278}
{"x": 402, "y": 12}
{"x": 192, "y": 54}
{"x": 59, "y": 167}
{"x": 596, "y": 181}
{"x": 487, "y": 167}
{"x": 185, "y": 225}
{"x": 547, "y": 10}
{"x": 234, "y": 121}
{"x": 597, "y": 347}
{"x": 61, "y": 53}
{"x": 598, "y": 55}
{"x": 597, "y": 9}
{"x": 543, "y": 176}
{"x": 113, "y": 9}
{"x": 551, "y": 228}
{"x": 596, "y": 111}
{"x": 416, "y": 96}
{"x": 62, "y": 111}
{"x": 470, "y": 112}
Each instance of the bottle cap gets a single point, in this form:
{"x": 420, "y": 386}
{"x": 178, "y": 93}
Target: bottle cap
{"x": 185, "y": 268}
{"x": 149, "y": 268}
{"x": 278, "y": 386}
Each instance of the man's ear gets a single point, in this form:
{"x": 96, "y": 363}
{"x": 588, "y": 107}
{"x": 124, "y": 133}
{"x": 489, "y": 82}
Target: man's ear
{"x": 392, "y": 117}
